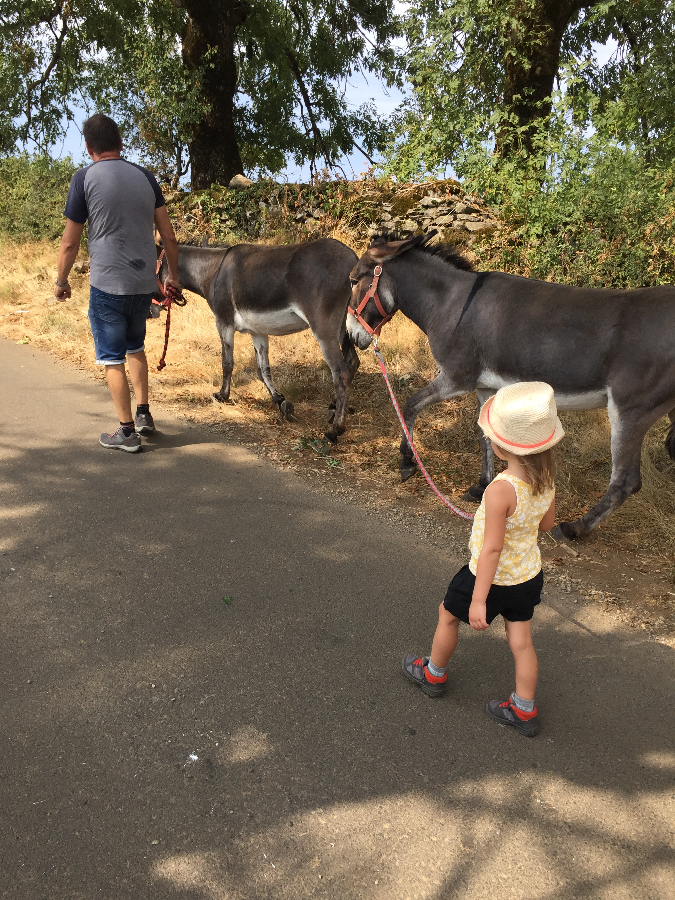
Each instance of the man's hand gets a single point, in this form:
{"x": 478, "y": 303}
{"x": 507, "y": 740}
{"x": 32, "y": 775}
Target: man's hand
{"x": 70, "y": 244}
{"x": 171, "y": 281}
{"x": 62, "y": 292}
{"x": 477, "y": 614}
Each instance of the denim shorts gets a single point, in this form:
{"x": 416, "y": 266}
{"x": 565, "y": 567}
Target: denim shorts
{"x": 514, "y": 602}
{"x": 117, "y": 324}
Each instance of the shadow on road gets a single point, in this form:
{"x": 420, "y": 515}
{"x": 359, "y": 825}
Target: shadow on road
{"x": 202, "y": 700}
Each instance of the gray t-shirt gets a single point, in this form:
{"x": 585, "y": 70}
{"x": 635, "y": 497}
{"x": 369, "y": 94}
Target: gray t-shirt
{"x": 118, "y": 199}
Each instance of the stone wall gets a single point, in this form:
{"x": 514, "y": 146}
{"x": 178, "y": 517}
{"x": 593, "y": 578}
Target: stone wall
{"x": 356, "y": 210}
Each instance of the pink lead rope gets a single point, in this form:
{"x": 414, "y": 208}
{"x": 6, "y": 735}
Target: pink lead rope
{"x": 455, "y": 509}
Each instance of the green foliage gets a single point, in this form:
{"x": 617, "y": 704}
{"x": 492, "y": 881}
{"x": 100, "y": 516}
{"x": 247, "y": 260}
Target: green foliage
{"x": 455, "y": 65}
{"x": 126, "y": 58}
{"x": 466, "y": 57}
{"x": 637, "y": 81}
{"x": 294, "y": 60}
{"x": 32, "y": 196}
{"x": 580, "y": 209}
{"x": 46, "y": 50}
{"x": 144, "y": 84}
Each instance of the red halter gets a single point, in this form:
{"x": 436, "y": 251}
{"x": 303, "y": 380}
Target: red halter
{"x": 371, "y": 292}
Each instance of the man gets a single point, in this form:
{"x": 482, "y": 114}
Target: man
{"x": 120, "y": 201}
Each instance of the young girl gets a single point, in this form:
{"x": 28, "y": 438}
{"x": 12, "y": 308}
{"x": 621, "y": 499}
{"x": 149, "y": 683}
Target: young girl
{"x": 504, "y": 574}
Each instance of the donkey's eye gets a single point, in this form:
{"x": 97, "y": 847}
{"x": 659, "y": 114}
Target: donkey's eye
{"x": 353, "y": 282}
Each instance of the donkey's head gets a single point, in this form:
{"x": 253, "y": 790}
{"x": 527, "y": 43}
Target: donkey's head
{"x": 373, "y": 300}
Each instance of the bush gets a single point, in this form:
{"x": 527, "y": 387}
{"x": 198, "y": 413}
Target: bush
{"x": 611, "y": 226}
{"x": 33, "y": 193}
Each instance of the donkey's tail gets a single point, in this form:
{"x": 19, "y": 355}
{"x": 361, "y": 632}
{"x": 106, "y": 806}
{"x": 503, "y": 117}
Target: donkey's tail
{"x": 670, "y": 441}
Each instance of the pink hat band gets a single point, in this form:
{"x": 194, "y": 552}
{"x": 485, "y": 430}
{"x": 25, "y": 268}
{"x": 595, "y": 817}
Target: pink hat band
{"x": 513, "y": 443}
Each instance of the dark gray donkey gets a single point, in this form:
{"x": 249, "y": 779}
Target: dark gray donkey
{"x": 261, "y": 290}
{"x": 596, "y": 348}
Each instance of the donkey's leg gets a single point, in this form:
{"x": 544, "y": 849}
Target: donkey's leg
{"x": 351, "y": 357}
{"x": 261, "y": 345}
{"x": 441, "y": 388}
{"x": 352, "y": 360}
{"x": 628, "y": 433}
{"x": 342, "y": 378}
{"x": 227, "y": 341}
{"x": 487, "y": 474}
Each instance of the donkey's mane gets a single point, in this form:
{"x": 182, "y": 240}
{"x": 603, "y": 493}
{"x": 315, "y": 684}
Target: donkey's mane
{"x": 449, "y": 253}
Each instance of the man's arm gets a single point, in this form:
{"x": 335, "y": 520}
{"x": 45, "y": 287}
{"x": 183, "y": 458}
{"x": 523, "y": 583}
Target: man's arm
{"x": 165, "y": 228}
{"x": 70, "y": 244}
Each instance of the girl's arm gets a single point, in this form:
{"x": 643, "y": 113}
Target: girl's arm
{"x": 500, "y": 503}
{"x": 549, "y": 518}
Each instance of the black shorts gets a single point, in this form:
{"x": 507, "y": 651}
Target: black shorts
{"x": 515, "y": 602}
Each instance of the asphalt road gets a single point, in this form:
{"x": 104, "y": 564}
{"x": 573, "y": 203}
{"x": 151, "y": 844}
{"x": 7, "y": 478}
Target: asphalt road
{"x": 159, "y": 741}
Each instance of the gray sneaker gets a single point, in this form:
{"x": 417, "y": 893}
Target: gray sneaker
{"x": 506, "y": 713}
{"x": 119, "y": 441}
{"x": 144, "y": 423}
{"x": 415, "y": 668}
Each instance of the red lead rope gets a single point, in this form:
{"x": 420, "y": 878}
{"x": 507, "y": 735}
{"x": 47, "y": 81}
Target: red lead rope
{"x": 456, "y": 510}
{"x": 170, "y": 295}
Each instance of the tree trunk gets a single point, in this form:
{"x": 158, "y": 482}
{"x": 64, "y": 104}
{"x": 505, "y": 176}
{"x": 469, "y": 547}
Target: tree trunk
{"x": 212, "y": 26}
{"x": 531, "y": 69}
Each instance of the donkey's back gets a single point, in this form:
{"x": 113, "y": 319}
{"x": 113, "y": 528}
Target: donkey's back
{"x": 312, "y": 275}
{"x": 580, "y": 339}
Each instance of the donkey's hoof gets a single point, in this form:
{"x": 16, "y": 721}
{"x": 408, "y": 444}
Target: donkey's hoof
{"x": 287, "y": 409}
{"x": 407, "y": 472}
{"x": 332, "y": 436}
{"x": 474, "y": 494}
{"x": 564, "y": 532}
{"x": 220, "y": 397}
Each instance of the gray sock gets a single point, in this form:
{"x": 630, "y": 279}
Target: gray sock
{"x": 436, "y": 671}
{"x": 522, "y": 705}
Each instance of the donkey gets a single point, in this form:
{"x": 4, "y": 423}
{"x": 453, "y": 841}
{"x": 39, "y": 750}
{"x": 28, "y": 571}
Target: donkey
{"x": 261, "y": 290}
{"x": 595, "y": 347}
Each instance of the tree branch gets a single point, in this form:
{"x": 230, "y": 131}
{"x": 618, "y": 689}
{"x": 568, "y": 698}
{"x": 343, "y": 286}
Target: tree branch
{"x": 40, "y": 82}
{"x": 318, "y": 138}
{"x": 361, "y": 150}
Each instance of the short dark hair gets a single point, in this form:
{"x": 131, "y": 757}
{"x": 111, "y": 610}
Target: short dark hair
{"x": 102, "y": 134}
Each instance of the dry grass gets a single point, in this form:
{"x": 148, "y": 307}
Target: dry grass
{"x": 446, "y": 435}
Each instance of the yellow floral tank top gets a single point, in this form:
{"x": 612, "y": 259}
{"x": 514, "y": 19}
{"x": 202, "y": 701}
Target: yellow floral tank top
{"x": 520, "y": 559}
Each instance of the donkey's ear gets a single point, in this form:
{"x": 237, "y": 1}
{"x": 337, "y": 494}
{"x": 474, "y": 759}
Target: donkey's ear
{"x": 383, "y": 252}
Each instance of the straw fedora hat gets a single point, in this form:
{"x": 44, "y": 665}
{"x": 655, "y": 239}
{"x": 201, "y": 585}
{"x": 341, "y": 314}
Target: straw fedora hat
{"x": 522, "y": 418}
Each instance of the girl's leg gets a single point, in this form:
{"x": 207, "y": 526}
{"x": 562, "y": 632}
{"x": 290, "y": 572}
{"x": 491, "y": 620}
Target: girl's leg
{"x": 445, "y": 638}
{"x": 519, "y": 635}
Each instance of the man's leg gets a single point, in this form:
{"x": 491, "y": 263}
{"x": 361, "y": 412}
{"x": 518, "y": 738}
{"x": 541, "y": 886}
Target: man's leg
{"x": 119, "y": 391}
{"x": 138, "y": 373}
